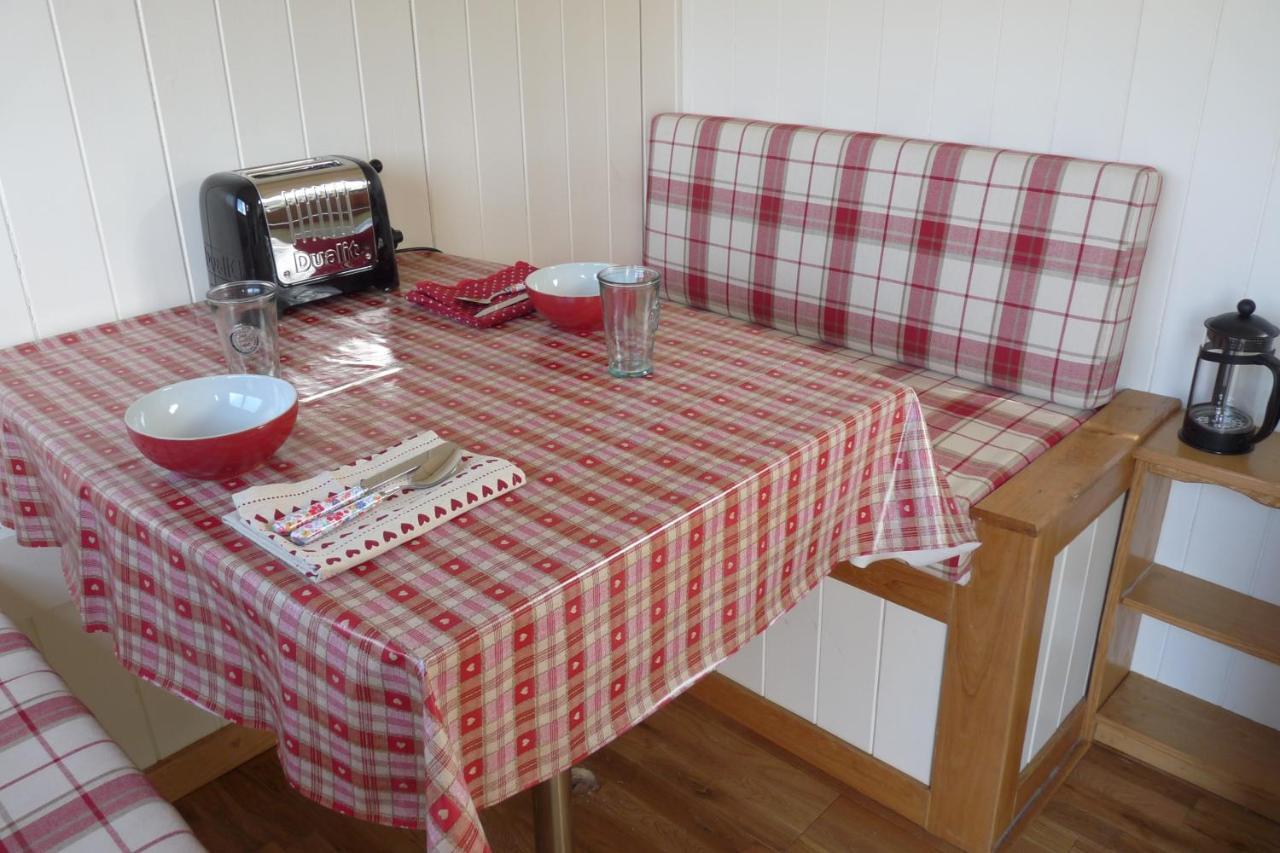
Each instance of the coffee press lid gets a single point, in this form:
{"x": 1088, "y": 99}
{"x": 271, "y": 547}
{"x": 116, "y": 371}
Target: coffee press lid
{"x": 1246, "y": 329}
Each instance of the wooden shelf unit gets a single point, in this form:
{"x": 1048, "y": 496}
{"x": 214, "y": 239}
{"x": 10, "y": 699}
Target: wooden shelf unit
{"x": 1208, "y": 609}
{"x": 1187, "y": 737}
{"x": 1255, "y": 474}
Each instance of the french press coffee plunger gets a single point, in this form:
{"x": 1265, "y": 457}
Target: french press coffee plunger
{"x": 1231, "y": 405}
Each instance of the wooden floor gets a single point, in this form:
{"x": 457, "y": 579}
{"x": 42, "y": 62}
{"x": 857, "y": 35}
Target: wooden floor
{"x": 689, "y": 779}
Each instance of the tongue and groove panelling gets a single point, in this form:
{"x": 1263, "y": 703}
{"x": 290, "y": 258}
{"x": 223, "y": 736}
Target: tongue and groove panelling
{"x": 1187, "y": 86}
{"x": 508, "y": 130}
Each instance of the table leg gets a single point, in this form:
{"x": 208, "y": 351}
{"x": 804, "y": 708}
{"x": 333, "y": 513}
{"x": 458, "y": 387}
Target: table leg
{"x": 552, "y": 814}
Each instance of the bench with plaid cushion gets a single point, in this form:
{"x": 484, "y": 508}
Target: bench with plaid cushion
{"x": 64, "y": 784}
{"x": 999, "y": 284}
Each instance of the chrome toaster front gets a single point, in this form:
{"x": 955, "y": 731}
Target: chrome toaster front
{"x": 315, "y": 227}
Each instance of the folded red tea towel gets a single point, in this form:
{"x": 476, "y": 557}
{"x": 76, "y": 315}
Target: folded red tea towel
{"x": 478, "y": 302}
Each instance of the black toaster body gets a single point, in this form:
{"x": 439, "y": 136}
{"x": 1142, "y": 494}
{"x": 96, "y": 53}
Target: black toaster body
{"x": 315, "y": 227}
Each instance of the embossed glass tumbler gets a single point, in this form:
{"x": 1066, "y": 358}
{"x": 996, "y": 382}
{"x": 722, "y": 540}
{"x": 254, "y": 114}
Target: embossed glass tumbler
{"x": 244, "y": 313}
{"x": 629, "y": 296}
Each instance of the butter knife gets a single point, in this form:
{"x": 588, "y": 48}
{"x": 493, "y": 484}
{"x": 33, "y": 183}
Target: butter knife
{"x": 429, "y": 459}
{"x": 423, "y": 477}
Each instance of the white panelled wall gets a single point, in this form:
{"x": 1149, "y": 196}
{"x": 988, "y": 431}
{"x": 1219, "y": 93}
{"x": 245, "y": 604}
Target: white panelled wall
{"x": 526, "y": 119}
{"x": 1187, "y": 86}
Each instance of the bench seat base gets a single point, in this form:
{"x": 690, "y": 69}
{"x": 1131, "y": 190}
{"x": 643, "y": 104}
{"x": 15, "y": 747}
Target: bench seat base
{"x": 64, "y": 784}
{"x": 981, "y": 436}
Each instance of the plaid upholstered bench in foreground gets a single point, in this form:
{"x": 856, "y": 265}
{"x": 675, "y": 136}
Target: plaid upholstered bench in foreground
{"x": 65, "y": 785}
{"x": 999, "y": 285}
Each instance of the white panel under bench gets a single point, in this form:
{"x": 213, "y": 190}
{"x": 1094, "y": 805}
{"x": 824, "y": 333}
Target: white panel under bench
{"x": 1070, "y": 632}
{"x": 870, "y": 671}
{"x": 864, "y": 669}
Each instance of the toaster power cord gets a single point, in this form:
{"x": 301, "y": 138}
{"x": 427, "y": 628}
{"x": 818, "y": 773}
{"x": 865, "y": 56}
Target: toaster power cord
{"x": 398, "y": 236}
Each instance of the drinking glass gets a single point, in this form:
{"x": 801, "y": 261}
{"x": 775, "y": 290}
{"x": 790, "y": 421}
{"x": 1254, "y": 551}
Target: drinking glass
{"x": 629, "y": 297}
{"x": 244, "y": 313}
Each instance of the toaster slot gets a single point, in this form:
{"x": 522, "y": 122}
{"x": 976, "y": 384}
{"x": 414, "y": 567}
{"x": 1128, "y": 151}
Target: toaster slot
{"x": 293, "y": 167}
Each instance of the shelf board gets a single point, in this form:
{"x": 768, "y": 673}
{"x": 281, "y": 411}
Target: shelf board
{"x": 1192, "y": 739}
{"x": 1241, "y": 621}
{"x": 1255, "y": 474}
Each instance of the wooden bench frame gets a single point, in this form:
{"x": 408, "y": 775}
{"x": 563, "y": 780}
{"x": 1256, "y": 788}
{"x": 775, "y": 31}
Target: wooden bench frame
{"x": 978, "y": 788}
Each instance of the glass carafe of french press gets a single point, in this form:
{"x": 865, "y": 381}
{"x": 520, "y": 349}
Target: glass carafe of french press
{"x": 1234, "y": 400}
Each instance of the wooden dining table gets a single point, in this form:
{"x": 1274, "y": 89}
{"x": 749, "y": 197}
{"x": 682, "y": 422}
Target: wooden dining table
{"x": 665, "y": 521}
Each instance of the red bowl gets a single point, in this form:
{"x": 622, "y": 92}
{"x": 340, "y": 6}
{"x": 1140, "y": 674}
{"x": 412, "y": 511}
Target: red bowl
{"x": 568, "y": 295}
{"x": 213, "y": 427}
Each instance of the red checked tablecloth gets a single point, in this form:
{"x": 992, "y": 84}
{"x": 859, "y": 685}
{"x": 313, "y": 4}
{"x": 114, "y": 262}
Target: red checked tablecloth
{"x": 665, "y": 522}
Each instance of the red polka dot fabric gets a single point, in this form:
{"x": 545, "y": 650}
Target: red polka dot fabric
{"x": 478, "y": 302}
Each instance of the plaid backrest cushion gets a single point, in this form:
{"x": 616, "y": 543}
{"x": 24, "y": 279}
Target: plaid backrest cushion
{"x": 1015, "y": 270}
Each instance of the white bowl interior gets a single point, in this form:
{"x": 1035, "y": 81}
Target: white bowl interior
{"x": 576, "y": 279}
{"x": 210, "y": 406}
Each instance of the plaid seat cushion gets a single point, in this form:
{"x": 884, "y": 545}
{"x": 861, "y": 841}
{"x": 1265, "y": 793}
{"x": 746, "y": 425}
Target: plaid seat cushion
{"x": 1014, "y": 270}
{"x": 65, "y": 785}
{"x": 981, "y": 436}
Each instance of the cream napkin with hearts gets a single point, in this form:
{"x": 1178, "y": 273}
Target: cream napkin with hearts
{"x": 396, "y": 520}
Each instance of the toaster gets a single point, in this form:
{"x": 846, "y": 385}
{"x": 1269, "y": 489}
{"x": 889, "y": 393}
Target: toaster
{"x": 315, "y": 227}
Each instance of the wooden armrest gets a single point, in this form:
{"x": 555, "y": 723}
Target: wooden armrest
{"x": 1079, "y": 476}
{"x": 1132, "y": 413}
{"x": 1036, "y": 498}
